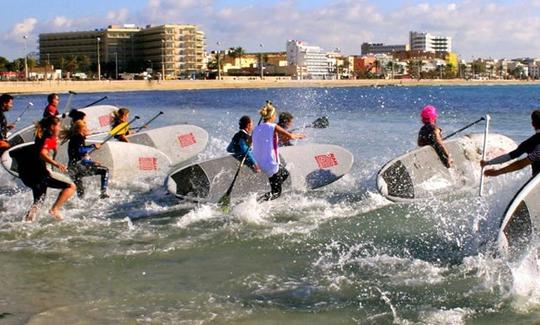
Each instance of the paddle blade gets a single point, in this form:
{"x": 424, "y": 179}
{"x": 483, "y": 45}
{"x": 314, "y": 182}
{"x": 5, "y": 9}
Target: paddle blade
{"x": 225, "y": 203}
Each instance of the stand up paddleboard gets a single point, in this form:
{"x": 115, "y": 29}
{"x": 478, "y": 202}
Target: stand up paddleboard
{"x": 98, "y": 119}
{"x": 310, "y": 166}
{"x": 521, "y": 220}
{"x": 420, "y": 174}
{"x": 179, "y": 142}
{"x": 126, "y": 161}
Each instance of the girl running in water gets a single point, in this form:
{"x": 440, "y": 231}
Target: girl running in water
{"x": 120, "y": 127}
{"x": 265, "y": 149}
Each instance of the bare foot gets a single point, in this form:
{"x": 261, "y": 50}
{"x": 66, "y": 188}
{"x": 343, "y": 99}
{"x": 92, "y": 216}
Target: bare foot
{"x": 31, "y": 214}
{"x": 56, "y": 214}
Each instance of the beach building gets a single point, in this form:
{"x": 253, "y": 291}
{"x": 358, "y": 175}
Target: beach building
{"x": 380, "y": 48}
{"x": 173, "y": 50}
{"x": 307, "y": 61}
{"x": 426, "y": 42}
{"x": 115, "y": 43}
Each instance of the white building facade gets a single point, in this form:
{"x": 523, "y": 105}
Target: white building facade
{"x": 426, "y": 42}
{"x": 306, "y": 61}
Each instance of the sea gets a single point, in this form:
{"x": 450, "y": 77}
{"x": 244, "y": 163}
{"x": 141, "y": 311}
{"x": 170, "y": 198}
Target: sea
{"x": 342, "y": 254}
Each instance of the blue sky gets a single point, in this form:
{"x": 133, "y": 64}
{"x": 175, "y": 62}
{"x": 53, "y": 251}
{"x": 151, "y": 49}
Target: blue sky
{"x": 479, "y": 28}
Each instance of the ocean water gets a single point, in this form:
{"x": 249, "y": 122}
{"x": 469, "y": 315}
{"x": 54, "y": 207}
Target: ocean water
{"x": 342, "y": 254}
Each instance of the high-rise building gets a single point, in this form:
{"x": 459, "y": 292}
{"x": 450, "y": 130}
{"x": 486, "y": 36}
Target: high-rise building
{"x": 380, "y": 48}
{"x": 426, "y": 42}
{"x": 307, "y": 62}
{"x": 173, "y": 49}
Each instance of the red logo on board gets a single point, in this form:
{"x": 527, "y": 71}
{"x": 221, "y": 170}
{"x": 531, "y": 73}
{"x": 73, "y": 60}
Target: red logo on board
{"x": 104, "y": 120}
{"x": 187, "y": 140}
{"x": 326, "y": 161}
{"x": 147, "y": 163}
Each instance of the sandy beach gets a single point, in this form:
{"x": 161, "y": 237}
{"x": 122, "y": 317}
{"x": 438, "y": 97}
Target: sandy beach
{"x": 145, "y": 85}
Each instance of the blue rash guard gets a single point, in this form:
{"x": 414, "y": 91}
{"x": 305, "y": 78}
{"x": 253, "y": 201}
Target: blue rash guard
{"x": 239, "y": 147}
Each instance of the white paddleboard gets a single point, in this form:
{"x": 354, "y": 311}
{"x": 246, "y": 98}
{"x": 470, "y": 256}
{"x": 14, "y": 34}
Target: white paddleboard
{"x": 98, "y": 119}
{"x": 126, "y": 161}
{"x": 521, "y": 221}
{"x": 179, "y": 142}
{"x": 420, "y": 174}
{"x": 310, "y": 166}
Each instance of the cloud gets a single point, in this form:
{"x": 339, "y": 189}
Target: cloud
{"x": 20, "y": 29}
{"x": 486, "y": 28}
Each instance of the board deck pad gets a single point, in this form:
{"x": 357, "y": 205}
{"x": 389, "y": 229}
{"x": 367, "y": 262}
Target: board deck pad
{"x": 521, "y": 220}
{"x": 179, "y": 142}
{"x": 420, "y": 174}
{"x": 310, "y": 166}
{"x": 98, "y": 119}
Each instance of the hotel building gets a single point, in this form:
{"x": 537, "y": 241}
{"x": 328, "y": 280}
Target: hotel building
{"x": 426, "y": 42}
{"x": 307, "y": 62}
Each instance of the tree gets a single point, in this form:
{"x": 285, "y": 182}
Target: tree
{"x": 3, "y": 63}
{"x": 84, "y": 63}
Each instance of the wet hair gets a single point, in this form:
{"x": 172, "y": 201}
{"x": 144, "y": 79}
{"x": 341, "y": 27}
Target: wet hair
{"x": 244, "y": 121}
{"x": 51, "y": 97}
{"x": 267, "y": 111}
{"x": 117, "y": 115}
{"x": 76, "y": 115}
{"x": 5, "y": 98}
{"x": 284, "y": 119}
{"x": 535, "y": 117}
{"x": 43, "y": 127}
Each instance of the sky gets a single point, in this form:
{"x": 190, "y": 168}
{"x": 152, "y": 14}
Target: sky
{"x": 479, "y": 28}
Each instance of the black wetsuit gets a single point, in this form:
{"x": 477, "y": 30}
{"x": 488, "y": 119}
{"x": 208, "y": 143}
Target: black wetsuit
{"x": 80, "y": 165}
{"x": 33, "y": 169}
{"x": 426, "y": 137}
{"x": 531, "y": 147}
{"x": 239, "y": 147}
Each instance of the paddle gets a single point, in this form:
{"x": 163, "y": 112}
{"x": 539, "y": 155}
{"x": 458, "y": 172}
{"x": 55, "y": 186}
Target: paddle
{"x": 225, "y": 201}
{"x": 68, "y": 103}
{"x": 486, "y": 130}
{"x": 30, "y": 104}
{"x": 146, "y": 124}
{"x": 116, "y": 129}
{"x": 464, "y": 128}
{"x": 97, "y": 101}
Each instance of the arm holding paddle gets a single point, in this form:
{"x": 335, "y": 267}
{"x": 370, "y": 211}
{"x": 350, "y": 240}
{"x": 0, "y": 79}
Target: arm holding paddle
{"x": 516, "y": 165}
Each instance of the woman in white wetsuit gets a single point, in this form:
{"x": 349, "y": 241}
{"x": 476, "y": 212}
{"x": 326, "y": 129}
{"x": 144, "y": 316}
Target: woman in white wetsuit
{"x": 265, "y": 149}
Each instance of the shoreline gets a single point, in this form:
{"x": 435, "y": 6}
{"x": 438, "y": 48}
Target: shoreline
{"x": 18, "y": 87}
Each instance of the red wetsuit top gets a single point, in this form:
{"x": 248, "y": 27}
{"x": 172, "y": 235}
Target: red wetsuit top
{"x": 50, "y": 110}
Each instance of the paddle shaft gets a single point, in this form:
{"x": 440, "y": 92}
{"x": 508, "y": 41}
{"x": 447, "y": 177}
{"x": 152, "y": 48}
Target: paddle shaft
{"x": 229, "y": 190}
{"x": 464, "y": 128}
{"x": 97, "y": 101}
{"x": 486, "y": 131}
{"x": 112, "y": 135}
{"x": 30, "y": 104}
{"x": 146, "y": 124}
{"x": 68, "y": 103}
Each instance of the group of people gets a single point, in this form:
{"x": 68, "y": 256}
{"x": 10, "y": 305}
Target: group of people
{"x": 34, "y": 161}
{"x": 259, "y": 146}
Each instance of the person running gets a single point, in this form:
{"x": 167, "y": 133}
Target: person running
{"x": 52, "y": 107}
{"x": 265, "y": 150}
{"x": 80, "y": 164}
{"x": 240, "y": 144}
{"x": 34, "y": 173}
{"x": 119, "y": 126}
{"x": 431, "y": 135}
{"x": 6, "y": 103}
{"x": 531, "y": 147}
{"x": 285, "y": 121}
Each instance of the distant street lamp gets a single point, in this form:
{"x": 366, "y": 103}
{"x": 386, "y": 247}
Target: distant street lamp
{"x": 116, "y": 64}
{"x": 98, "y": 60}
{"x": 25, "y": 58}
{"x": 162, "y": 59}
{"x": 261, "y": 61}
{"x": 218, "y": 66}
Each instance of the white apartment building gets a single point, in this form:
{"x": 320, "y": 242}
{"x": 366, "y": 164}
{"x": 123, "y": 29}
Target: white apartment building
{"x": 307, "y": 62}
{"x": 426, "y": 42}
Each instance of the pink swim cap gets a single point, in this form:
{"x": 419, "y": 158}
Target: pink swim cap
{"x": 429, "y": 114}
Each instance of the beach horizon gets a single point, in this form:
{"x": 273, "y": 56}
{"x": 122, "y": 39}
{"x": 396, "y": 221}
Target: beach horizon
{"x": 62, "y": 86}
